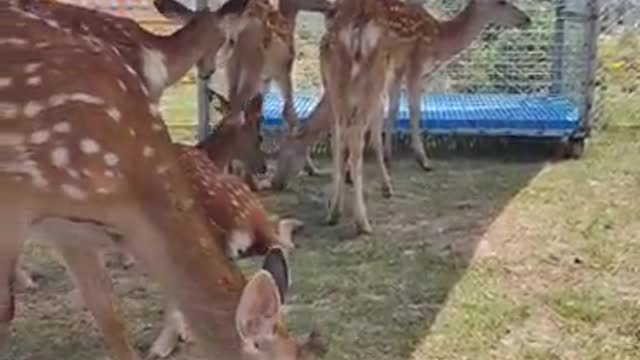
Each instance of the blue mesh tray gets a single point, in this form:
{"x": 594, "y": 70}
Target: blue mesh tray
{"x": 477, "y": 114}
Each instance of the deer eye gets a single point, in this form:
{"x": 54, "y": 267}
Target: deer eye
{"x": 502, "y": 2}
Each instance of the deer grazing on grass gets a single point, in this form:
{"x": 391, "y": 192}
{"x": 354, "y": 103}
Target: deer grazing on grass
{"x": 160, "y": 61}
{"x": 293, "y": 154}
{"x": 238, "y": 220}
{"x": 354, "y": 66}
{"x": 429, "y": 46}
{"x": 85, "y": 164}
{"x": 264, "y": 50}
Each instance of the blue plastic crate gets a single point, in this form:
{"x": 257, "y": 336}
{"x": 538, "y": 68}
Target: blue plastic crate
{"x": 476, "y": 114}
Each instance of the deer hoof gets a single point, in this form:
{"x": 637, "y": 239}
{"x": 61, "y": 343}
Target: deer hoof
{"x": 364, "y": 228}
{"x": 424, "y": 163}
{"x": 164, "y": 345}
{"x": 387, "y": 191}
{"x": 333, "y": 217}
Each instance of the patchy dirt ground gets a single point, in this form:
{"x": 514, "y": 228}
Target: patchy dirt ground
{"x": 484, "y": 258}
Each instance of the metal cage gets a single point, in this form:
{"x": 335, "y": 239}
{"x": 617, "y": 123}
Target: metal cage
{"x": 537, "y": 82}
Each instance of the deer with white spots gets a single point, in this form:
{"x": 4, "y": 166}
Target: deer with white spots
{"x": 113, "y": 195}
{"x": 263, "y": 51}
{"x": 160, "y": 61}
{"x": 238, "y": 219}
{"x": 426, "y": 45}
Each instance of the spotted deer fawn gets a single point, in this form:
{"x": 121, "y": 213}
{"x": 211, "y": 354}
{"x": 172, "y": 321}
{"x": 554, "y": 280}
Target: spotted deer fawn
{"x": 263, "y": 51}
{"x": 426, "y": 45}
{"x": 237, "y": 218}
{"x": 85, "y": 164}
{"x": 354, "y": 64}
{"x": 160, "y": 61}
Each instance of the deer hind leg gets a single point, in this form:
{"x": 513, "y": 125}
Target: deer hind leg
{"x": 14, "y": 233}
{"x": 415, "y": 94}
{"x": 94, "y": 283}
{"x": 355, "y": 142}
{"x": 377, "y": 143}
{"x": 392, "y": 115}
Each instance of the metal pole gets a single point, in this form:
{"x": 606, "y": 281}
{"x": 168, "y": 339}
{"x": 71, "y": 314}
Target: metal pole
{"x": 557, "y": 55}
{"x": 592, "y": 63}
{"x": 204, "y": 127}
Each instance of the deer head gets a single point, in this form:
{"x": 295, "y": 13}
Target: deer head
{"x": 237, "y": 136}
{"x": 291, "y": 156}
{"x": 259, "y": 318}
{"x": 502, "y": 12}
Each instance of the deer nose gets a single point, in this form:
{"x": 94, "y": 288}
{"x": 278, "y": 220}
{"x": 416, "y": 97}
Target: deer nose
{"x": 526, "y": 23}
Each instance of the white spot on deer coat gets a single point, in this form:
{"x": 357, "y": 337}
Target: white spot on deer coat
{"x": 34, "y": 80}
{"x": 122, "y": 85}
{"x": 111, "y": 159}
{"x": 62, "y": 127}
{"x": 86, "y": 98}
{"x": 109, "y": 173}
{"x": 114, "y": 114}
{"x": 157, "y": 127}
{"x": 148, "y": 151}
{"x": 60, "y": 157}
{"x": 8, "y": 110}
{"x": 89, "y": 146}
{"x": 32, "y": 67}
{"x": 73, "y": 192}
{"x": 39, "y": 137}
{"x": 14, "y": 42}
{"x": 5, "y": 82}
{"x": 154, "y": 68}
{"x": 58, "y": 99}
{"x": 52, "y": 23}
{"x": 32, "y": 109}
{"x": 154, "y": 109}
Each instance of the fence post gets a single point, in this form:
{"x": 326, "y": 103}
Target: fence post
{"x": 591, "y": 63}
{"x": 203, "y": 101}
{"x": 557, "y": 55}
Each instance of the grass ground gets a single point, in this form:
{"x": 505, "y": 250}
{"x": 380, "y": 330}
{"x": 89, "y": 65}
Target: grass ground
{"x": 502, "y": 257}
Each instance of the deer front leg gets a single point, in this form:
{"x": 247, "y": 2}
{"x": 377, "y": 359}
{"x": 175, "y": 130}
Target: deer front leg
{"x": 94, "y": 283}
{"x": 14, "y": 233}
{"x": 392, "y": 116}
{"x": 376, "y": 141}
{"x": 415, "y": 89}
{"x": 355, "y": 141}
{"x": 337, "y": 196}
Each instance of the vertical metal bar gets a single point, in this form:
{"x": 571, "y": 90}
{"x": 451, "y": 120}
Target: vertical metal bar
{"x": 591, "y": 63}
{"x": 203, "y": 103}
{"x": 558, "y": 48}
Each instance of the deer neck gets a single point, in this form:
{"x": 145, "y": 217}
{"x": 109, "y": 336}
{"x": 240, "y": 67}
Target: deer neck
{"x": 219, "y": 146}
{"x": 459, "y": 32}
{"x": 182, "y": 49}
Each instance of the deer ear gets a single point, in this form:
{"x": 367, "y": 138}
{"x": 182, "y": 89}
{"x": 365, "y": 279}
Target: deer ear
{"x": 275, "y": 262}
{"x": 259, "y": 308}
{"x": 173, "y": 10}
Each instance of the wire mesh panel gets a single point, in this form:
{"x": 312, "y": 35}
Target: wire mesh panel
{"x": 618, "y": 73}
{"x": 518, "y": 77}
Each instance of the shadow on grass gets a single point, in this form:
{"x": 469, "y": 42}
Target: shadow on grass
{"x": 377, "y": 296}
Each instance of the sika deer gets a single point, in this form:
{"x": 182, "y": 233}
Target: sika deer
{"x": 239, "y": 221}
{"x": 354, "y": 66}
{"x": 84, "y": 164}
{"x": 237, "y": 140}
{"x": 160, "y": 61}
{"x": 426, "y": 45}
{"x": 263, "y": 51}
{"x": 293, "y": 154}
